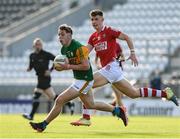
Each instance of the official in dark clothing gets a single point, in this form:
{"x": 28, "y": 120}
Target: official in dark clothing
{"x": 39, "y": 61}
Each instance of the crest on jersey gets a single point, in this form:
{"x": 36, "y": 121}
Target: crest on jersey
{"x": 104, "y": 35}
{"x": 94, "y": 39}
{"x": 69, "y": 54}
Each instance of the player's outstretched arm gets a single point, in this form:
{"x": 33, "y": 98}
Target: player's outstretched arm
{"x": 132, "y": 56}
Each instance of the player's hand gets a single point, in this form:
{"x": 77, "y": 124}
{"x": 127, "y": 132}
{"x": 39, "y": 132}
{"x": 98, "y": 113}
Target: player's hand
{"x": 64, "y": 66}
{"x": 122, "y": 58}
{"x": 133, "y": 59}
{"x": 47, "y": 73}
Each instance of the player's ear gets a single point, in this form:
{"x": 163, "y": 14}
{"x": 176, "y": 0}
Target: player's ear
{"x": 69, "y": 36}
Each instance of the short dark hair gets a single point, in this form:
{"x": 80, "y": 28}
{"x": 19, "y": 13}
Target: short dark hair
{"x": 96, "y": 12}
{"x": 67, "y": 28}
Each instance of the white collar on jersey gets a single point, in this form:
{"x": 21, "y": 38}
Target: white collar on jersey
{"x": 102, "y": 28}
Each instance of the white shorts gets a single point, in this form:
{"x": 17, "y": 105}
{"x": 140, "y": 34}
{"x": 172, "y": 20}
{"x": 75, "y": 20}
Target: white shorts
{"x": 112, "y": 72}
{"x": 82, "y": 86}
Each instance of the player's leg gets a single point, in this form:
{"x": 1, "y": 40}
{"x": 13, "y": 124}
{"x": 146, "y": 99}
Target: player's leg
{"x": 71, "y": 106}
{"x": 117, "y": 97}
{"x": 86, "y": 112}
{"x": 125, "y": 87}
{"x": 88, "y": 101}
{"x": 43, "y": 87}
{"x": 64, "y": 97}
{"x": 113, "y": 102}
{"x": 35, "y": 104}
{"x": 114, "y": 75}
{"x": 48, "y": 90}
{"x": 50, "y": 93}
{"x": 85, "y": 120}
{"x": 99, "y": 80}
{"x": 43, "y": 83}
{"x": 72, "y": 92}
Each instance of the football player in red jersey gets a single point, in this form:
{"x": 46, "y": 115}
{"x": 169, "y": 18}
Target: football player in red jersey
{"x": 85, "y": 120}
{"x": 103, "y": 40}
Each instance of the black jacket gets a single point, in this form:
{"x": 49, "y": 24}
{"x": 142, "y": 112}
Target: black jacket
{"x": 40, "y": 62}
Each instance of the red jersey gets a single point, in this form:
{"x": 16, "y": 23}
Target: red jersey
{"x": 105, "y": 44}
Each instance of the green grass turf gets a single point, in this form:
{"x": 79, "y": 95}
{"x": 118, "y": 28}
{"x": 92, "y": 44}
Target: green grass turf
{"x": 14, "y": 126}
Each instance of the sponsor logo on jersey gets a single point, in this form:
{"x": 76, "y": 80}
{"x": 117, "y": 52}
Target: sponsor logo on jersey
{"x": 101, "y": 46}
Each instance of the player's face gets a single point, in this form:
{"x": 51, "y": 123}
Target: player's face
{"x": 38, "y": 46}
{"x": 64, "y": 37}
{"x": 97, "y": 22}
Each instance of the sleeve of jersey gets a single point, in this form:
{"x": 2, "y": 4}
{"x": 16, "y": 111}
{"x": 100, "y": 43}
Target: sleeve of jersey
{"x": 90, "y": 41}
{"x": 30, "y": 62}
{"x": 114, "y": 32}
{"x": 82, "y": 53}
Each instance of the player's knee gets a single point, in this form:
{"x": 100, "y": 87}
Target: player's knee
{"x": 52, "y": 97}
{"x": 36, "y": 95}
{"x": 59, "y": 101}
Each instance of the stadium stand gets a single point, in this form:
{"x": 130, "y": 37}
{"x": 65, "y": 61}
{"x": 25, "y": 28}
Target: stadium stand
{"x": 13, "y": 10}
{"x": 153, "y": 25}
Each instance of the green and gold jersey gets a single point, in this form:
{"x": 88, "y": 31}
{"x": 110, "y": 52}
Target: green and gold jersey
{"x": 76, "y": 52}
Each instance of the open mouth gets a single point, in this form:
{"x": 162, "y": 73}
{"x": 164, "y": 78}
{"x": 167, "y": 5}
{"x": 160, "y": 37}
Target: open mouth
{"x": 95, "y": 26}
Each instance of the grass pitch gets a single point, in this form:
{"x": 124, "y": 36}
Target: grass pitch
{"x": 15, "y": 126}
